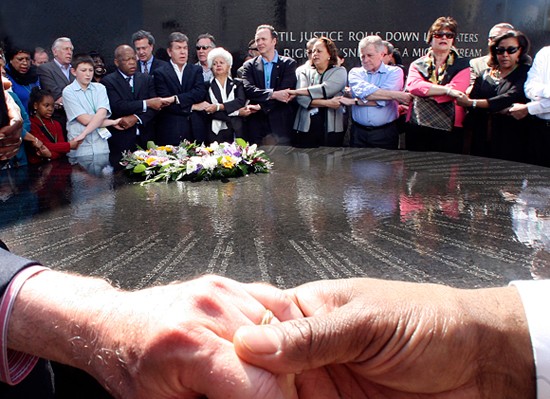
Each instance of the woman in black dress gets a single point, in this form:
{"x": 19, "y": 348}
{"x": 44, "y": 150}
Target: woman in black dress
{"x": 495, "y": 132}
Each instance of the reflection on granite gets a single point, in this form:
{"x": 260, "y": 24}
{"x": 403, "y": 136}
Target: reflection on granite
{"x": 320, "y": 214}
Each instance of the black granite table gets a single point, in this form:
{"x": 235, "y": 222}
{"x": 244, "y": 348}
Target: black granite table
{"x": 320, "y": 214}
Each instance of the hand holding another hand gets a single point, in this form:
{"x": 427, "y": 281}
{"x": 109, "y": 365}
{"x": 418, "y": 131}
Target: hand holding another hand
{"x": 156, "y": 103}
{"x": 364, "y": 338}
{"x": 518, "y": 111}
{"x": 284, "y": 96}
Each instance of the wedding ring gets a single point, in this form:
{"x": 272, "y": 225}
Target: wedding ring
{"x": 268, "y": 316}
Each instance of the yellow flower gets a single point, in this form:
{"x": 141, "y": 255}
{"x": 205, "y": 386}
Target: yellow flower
{"x": 227, "y": 162}
{"x": 149, "y": 161}
{"x": 164, "y": 148}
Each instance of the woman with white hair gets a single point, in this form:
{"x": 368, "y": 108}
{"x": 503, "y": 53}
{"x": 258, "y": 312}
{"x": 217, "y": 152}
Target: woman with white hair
{"x": 225, "y": 100}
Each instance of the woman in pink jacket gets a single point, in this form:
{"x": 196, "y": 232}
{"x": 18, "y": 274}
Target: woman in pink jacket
{"x": 440, "y": 76}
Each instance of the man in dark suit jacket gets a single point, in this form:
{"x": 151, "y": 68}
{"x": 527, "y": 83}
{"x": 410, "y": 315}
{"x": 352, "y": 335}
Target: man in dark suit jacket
{"x": 181, "y": 85}
{"x": 273, "y": 123}
{"x": 132, "y": 97}
{"x": 144, "y": 43}
{"x": 56, "y": 74}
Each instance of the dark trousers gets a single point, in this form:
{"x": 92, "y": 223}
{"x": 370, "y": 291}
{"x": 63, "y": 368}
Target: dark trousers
{"x": 539, "y": 142}
{"x": 385, "y": 136}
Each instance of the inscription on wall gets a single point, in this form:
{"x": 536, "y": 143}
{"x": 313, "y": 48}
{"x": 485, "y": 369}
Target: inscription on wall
{"x": 411, "y": 44}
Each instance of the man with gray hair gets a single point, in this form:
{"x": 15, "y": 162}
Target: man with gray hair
{"x": 56, "y": 75}
{"x": 182, "y": 85}
{"x": 376, "y": 91}
{"x": 205, "y": 43}
{"x": 144, "y": 44}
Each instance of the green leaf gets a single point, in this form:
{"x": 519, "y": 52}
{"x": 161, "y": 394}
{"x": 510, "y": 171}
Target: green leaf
{"x": 241, "y": 143}
{"x": 139, "y": 168}
{"x": 151, "y": 145}
{"x": 243, "y": 168}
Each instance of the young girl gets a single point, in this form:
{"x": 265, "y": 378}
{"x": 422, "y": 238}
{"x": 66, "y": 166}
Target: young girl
{"x": 45, "y": 129}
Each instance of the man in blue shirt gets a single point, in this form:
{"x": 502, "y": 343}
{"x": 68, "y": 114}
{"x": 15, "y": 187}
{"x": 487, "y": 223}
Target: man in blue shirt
{"x": 376, "y": 90}
{"x": 267, "y": 79}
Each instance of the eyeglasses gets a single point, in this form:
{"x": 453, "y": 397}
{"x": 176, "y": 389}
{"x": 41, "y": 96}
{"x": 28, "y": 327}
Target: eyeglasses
{"x": 440, "y": 35}
{"x": 509, "y": 50}
{"x": 202, "y": 47}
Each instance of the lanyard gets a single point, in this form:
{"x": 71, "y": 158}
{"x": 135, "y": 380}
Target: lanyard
{"x": 87, "y": 99}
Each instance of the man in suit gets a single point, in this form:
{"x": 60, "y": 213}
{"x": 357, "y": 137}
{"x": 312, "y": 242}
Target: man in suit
{"x": 132, "y": 97}
{"x": 181, "y": 85}
{"x": 144, "y": 43}
{"x": 273, "y": 123}
{"x": 56, "y": 74}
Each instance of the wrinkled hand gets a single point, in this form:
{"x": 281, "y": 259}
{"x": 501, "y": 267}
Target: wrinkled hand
{"x": 175, "y": 341}
{"x": 518, "y": 111}
{"x": 364, "y": 338}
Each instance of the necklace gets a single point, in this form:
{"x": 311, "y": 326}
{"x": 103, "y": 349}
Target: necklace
{"x": 46, "y": 131}
{"x": 498, "y": 74}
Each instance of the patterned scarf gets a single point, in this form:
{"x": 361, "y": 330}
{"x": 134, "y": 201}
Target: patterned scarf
{"x": 436, "y": 75}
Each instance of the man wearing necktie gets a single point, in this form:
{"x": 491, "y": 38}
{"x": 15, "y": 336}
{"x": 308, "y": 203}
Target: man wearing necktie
{"x": 133, "y": 99}
{"x": 144, "y": 44}
{"x": 376, "y": 91}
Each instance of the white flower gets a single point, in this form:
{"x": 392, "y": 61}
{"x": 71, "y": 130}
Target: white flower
{"x": 209, "y": 163}
{"x": 193, "y": 164}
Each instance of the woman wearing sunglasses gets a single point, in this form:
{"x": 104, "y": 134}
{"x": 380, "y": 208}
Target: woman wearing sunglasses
{"x": 435, "y": 121}
{"x": 495, "y": 132}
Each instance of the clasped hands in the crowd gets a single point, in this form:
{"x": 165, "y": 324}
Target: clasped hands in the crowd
{"x": 283, "y": 96}
{"x": 210, "y": 108}
{"x": 355, "y": 338}
{"x": 518, "y": 111}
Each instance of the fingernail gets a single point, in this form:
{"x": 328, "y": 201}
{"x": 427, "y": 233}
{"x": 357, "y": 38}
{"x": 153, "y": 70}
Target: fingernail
{"x": 261, "y": 340}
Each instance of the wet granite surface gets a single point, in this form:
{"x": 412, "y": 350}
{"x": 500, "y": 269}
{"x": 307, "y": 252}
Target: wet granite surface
{"x": 320, "y": 214}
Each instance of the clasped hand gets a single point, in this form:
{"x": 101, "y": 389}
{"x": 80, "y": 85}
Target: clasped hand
{"x": 360, "y": 338}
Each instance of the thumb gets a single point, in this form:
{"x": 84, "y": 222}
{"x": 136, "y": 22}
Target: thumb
{"x": 297, "y": 345}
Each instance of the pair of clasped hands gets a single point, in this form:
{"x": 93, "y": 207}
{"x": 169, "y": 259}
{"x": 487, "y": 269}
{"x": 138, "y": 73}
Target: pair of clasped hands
{"x": 354, "y": 338}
